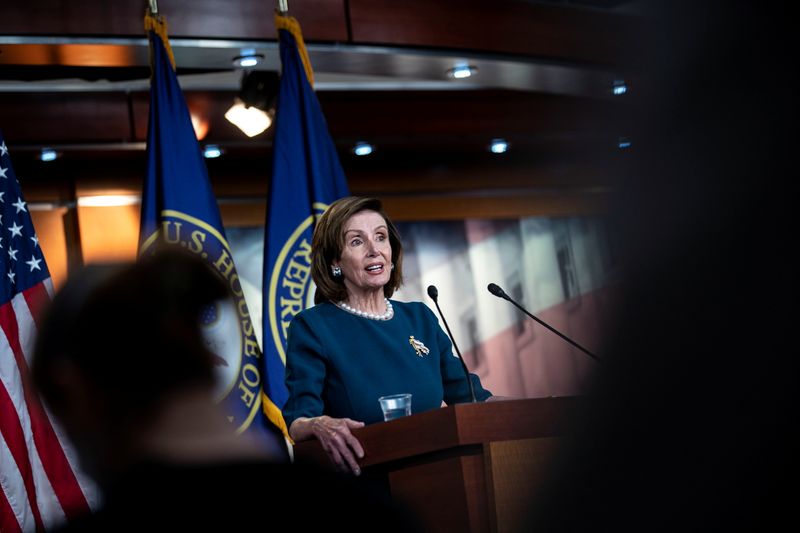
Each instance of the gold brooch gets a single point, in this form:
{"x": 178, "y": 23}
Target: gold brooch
{"x": 420, "y": 348}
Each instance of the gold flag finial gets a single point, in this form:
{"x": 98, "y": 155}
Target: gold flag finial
{"x": 158, "y": 24}
{"x": 290, "y": 24}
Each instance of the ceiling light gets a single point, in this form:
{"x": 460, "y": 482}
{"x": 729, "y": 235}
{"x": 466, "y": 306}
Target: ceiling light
{"x": 42, "y": 206}
{"x": 498, "y": 146}
{"x": 362, "y": 148}
{"x": 251, "y": 120}
{"x": 619, "y": 87}
{"x": 212, "y": 151}
{"x": 624, "y": 142}
{"x": 462, "y": 71}
{"x": 251, "y": 110}
{"x": 48, "y": 154}
{"x": 248, "y": 59}
{"x": 108, "y": 200}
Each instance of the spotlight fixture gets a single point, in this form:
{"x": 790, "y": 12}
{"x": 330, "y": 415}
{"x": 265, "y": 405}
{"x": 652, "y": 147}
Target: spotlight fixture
{"x": 248, "y": 59}
{"x": 363, "y": 148}
{"x": 259, "y": 89}
{"x": 251, "y": 110}
{"x": 619, "y": 87}
{"x": 624, "y": 143}
{"x": 498, "y": 146}
{"x": 48, "y": 154}
{"x": 462, "y": 71}
{"x": 212, "y": 151}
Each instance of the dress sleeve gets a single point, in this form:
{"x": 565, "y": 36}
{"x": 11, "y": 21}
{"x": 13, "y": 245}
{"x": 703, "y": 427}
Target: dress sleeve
{"x": 305, "y": 372}
{"x": 455, "y": 386}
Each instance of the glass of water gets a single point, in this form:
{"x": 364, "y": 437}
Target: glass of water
{"x": 395, "y": 406}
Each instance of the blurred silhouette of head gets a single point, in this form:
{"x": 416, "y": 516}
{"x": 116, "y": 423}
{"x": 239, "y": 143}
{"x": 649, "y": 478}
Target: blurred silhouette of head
{"x": 117, "y": 342}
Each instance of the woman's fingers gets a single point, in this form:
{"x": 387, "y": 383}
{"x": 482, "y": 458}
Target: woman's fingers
{"x": 355, "y": 424}
{"x": 339, "y": 443}
{"x": 333, "y": 453}
{"x": 342, "y": 443}
{"x": 348, "y": 456}
{"x": 353, "y": 443}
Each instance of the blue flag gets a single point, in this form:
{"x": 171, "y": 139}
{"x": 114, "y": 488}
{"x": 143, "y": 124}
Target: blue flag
{"x": 179, "y": 208}
{"x": 306, "y": 178}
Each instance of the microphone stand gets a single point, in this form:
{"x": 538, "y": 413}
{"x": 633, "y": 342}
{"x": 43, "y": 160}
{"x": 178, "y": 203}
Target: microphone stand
{"x": 500, "y": 293}
{"x": 433, "y": 292}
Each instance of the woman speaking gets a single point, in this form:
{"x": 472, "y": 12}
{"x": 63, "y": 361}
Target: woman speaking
{"x": 356, "y": 345}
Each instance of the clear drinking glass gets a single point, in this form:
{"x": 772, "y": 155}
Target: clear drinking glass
{"x": 395, "y": 406}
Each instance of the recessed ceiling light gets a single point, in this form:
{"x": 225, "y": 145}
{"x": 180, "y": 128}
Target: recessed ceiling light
{"x": 619, "y": 87}
{"x": 248, "y": 58}
{"x": 212, "y": 151}
{"x": 498, "y": 146}
{"x": 624, "y": 143}
{"x": 362, "y": 148}
{"x": 459, "y": 72}
{"x": 48, "y": 154}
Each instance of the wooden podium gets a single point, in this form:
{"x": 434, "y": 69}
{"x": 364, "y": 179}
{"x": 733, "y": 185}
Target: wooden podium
{"x": 468, "y": 467}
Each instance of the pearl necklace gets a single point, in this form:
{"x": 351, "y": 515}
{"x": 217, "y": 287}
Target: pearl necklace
{"x": 372, "y": 316}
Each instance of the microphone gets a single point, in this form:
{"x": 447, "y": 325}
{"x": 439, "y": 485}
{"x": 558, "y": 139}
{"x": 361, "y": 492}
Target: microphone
{"x": 500, "y": 293}
{"x": 433, "y": 292}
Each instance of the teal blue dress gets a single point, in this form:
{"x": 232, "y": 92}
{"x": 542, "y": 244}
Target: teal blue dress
{"x": 339, "y": 364}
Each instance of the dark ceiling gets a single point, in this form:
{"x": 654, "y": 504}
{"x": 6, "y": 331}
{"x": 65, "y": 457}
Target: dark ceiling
{"x": 74, "y": 76}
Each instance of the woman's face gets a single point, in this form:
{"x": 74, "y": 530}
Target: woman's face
{"x": 366, "y": 259}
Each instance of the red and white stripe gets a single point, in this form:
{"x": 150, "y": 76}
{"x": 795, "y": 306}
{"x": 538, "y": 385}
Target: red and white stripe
{"x": 40, "y": 486}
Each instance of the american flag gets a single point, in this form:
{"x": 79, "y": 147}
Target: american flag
{"x": 39, "y": 485}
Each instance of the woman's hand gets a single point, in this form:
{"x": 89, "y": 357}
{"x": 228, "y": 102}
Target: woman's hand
{"x": 334, "y": 434}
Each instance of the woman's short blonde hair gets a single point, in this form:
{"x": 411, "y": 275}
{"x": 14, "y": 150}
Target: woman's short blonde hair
{"x": 328, "y": 242}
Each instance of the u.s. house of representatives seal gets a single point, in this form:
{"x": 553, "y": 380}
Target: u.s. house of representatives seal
{"x": 227, "y": 325}
{"x": 290, "y": 286}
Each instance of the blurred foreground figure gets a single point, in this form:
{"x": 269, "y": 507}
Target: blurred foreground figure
{"x": 692, "y": 424}
{"x": 121, "y": 362}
